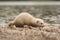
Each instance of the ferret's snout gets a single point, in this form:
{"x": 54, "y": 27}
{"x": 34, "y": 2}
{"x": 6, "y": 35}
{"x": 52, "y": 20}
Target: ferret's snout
{"x": 42, "y": 24}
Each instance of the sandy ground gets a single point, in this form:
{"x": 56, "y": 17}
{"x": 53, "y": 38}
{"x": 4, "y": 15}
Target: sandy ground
{"x": 26, "y": 33}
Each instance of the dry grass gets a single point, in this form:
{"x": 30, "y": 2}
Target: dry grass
{"x": 45, "y": 33}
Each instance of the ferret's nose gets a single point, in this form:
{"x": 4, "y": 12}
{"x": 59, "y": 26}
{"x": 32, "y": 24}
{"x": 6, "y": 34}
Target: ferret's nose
{"x": 43, "y": 25}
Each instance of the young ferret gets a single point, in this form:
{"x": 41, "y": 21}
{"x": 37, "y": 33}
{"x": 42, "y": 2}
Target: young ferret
{"x": 25, "y": 18}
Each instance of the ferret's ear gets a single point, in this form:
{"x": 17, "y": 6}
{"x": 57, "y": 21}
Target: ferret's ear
{"x": 37, "y": 21}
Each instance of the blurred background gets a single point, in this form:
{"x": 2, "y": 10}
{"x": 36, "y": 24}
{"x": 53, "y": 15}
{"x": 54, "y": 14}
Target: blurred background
{"x": 48, "y": 11}
{"x": 50, "y": 14}
{"x": 29, "y": 0}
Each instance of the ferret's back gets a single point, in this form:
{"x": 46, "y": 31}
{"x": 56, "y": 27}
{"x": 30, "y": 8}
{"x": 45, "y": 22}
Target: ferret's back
{"x": 25, "y": 14}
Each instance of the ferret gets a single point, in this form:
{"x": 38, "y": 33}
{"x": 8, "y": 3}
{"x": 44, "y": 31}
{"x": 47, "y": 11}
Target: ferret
{"x": 25, "y": 18}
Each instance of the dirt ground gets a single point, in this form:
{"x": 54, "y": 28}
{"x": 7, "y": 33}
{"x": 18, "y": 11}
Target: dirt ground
{"x": 26, "y": 33}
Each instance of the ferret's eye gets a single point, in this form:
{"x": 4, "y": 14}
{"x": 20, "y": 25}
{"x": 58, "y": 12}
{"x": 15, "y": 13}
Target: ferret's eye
{"x": 37, "y": 21}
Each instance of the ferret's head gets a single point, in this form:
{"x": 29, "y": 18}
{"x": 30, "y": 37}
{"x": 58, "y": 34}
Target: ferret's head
{"x": 39, "y": 22}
